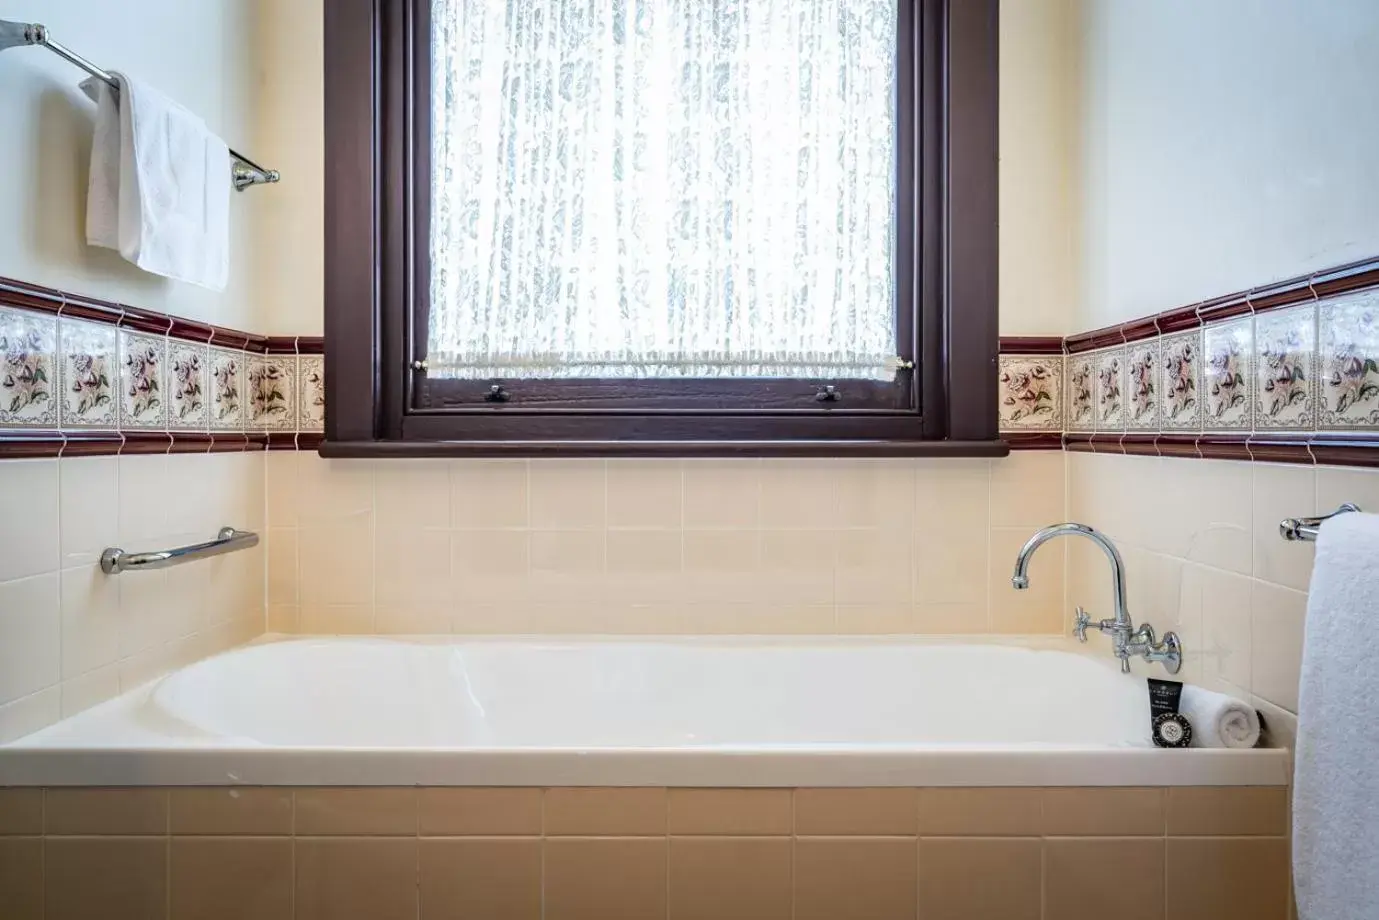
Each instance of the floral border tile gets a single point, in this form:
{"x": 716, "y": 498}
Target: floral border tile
{"x": 1286, "y": 362}
{"x": 1142, "y": 377}
{"x": 188, "y": 385}
{"x": 1180, "y": 381}
{"x": 1078, "y": 406}
{"x": 143, "y": 380}
{"x": 88, "y": 374}
{"x": 311, "y": 394}
{"x": 227, "y": 373}
{"x": 28, "y": 347}
{"x": 1348, "y": 353}
{"x": 1228, "y": 375}
{"x": 271, "y": 392}
{"x": 1109, "y": 389}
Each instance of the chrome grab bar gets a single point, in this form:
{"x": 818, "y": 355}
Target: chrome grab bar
{"x": 1305, "y": 529}
{"x": 114, "y": 561}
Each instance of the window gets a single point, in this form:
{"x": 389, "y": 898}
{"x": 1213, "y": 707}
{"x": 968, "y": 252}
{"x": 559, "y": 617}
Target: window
{"x": 687, "y": 226}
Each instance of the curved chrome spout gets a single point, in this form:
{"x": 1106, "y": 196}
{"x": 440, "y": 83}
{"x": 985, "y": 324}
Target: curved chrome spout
{"x": 1020, "y": 580}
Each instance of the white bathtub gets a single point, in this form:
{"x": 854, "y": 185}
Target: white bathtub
{"x": 656, "y": 712}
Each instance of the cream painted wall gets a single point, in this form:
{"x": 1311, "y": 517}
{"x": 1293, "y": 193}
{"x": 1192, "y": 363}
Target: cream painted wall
{"x": 1225, "y": 145}
{"x": 204, "y": 55}
{"x": 70, "y": 636}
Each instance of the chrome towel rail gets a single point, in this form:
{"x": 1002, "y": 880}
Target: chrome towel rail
{"x": 114, "y": 561}
{"x": 245, "y": 171}
{"x": 1305, "y": 529}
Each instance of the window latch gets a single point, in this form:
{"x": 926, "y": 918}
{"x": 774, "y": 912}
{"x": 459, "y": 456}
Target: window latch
{"x": 419, "y": 366}
{"x": 496, "y": 394}
{"x": 828, "y": 393}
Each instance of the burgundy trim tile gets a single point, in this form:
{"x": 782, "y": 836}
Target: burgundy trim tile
{"x": 92, "y": 308}
{"x": 1010, "y": 345}
{"x": 1097, "y": 338}
{"x": 1344, "y": 278}
{"x": 1334, "y": 449}
{"x": 144, "y": 320}
{"x": 190, "y": 330}
{"x": 255, "y": 440}
{"x": 1108, "y": 442}
{"x": 1018, "y": 440}
{"x": 1224, "y": 446}
{"x": 1177, "y": 445}
{"x": 1140, "y": 329}
{"x": 229, "y": 338}
{"x": 30, "y": 443}
{"x": 280, "y": 345}
{"x": 312, "y": 440}
{"x": 15, "y": 293}
{"x": 316, "y": 345}
{"x": 92, "y": 443}
{"x": 1179, "y": 320}
{"x": 1280, "y": 448}
{"x": 1225, "y": 307}
{"x": 282, "y": 440}
{"x": 1079, "y": 441}
{"x": 227, "y": 442}
{"x": 258, "y": 344}
{"x": 1140, "y": 444}
{"x": 1283, "y": 294}
{"x": 146, "y": 442}
{"x": 190, "y": 442}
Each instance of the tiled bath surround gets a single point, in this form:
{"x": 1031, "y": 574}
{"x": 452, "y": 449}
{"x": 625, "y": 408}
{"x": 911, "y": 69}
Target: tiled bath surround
{"x": 72, "y": 636}
{"x": 1188, "y": 853}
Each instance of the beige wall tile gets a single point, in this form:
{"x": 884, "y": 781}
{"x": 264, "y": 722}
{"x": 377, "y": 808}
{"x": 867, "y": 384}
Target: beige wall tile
{"x": 606, "y": 811}
{"x": 1027, "y": 489}
{"x": 332, "y": 490}
{"x": 28, "y": 715}
{"x": 91, "y": 622}
{"x": 336, "y": 562}
{"x": 730, "y": 812}
{"x": 89, "y": 502}
{"x": 980, "y": 812}
{"x": 1212, "y": 507}
{"x": 106, "y": 811}
{"x": 566, "y": 566}
{"x": 413, "y": 567}
{"x": 644, "y": 493}
{"x": 488, "y": 494}
{"x": 281, "y": 559}
{"x": 21, "y": 811}
{"x": 114, "y": 878}
{"x": 1223, "y": 600}
{"x": 567, "y": 494}
{"x": 28, "y": 518}
{"x": 950, "y": 619}
{"x": 979, "y": 878}
{"x": 874, "y": 567}
{"x": 730, "y": 878}
{"x": 30, "y": 636}
{"x": 1282, "y": 491}
{"x": 872, "y": 812}
{"x": 230, "y": 878}
{"x": 21, "y": 878}
{"x": 1103, "y": 812}
{"x": 801, "y": 566}
{"x": 1260, "y": 811}
{"x": 480, "y": 879}
{"x": 336, "y": 619}
{"x": 952, "y": 561}
{"x": 411, "y": 495}
{"x": 490, "y": 566}
{"x": 875, "y": 619}
{"x": 339, "y": 878}
{"x": 1277, "y": 617}
{"x": 860, "y": 878}
{"x": 257, "y": 810}
{"x": 282, "y": 493}
{"x": 359, "y": 811}
{"x": 877, "y": 493}
{"x": 478, "y": 811}
{"x": 1224, "y": 878}
{"x": 605, "y": 879}
{"x": 1072, "y": 892}
{"x": 722, "y": 493}
{"x": 799, "y": 493}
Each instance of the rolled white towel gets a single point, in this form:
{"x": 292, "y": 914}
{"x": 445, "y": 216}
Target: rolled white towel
{"x": 1218, "y": 720}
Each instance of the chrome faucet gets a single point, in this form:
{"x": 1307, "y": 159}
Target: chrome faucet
{"x": 1127, "y": 640}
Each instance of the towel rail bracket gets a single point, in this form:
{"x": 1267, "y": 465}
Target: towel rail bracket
{"x": 1305, "y": 529}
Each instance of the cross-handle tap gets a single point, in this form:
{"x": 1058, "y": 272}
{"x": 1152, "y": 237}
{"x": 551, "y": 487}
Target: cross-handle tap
{"x": 1126, "y": 640}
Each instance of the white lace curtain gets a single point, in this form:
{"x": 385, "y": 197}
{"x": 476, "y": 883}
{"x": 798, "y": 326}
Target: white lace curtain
{"x": 663, "y": 188}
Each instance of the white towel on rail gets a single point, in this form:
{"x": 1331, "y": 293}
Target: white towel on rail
{"x": 159, "y": 189}
{"x": 1336, "y": 773}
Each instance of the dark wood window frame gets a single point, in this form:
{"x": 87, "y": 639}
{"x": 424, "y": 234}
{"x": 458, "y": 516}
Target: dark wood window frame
{"x": 380, "y": 402}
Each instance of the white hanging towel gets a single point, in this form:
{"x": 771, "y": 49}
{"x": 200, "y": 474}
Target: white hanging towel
{"x": 159, "y": 190}
{"x": 1336, "y": 774}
